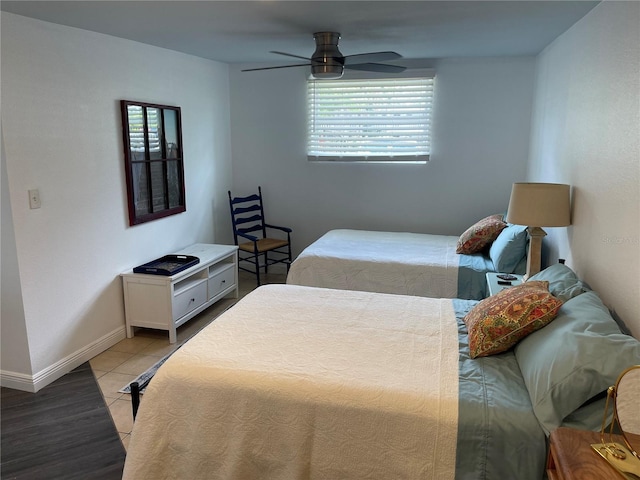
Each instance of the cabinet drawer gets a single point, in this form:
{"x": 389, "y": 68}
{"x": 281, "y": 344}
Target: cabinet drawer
{"x": 188, "y": 299}
{"x": 221, "y": 280}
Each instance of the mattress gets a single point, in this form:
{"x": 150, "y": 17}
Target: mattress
{"x": 391, "y": 262}
{"x": 301, "y": 382}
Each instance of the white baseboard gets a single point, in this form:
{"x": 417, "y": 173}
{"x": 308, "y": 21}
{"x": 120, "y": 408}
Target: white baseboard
{"x": 33, "y": 383}
{"x": 17, "y": 381}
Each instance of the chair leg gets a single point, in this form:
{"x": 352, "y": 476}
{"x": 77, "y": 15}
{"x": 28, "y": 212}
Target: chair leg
{"x": 256, "y": 259}
{"x": 266, "y": 263}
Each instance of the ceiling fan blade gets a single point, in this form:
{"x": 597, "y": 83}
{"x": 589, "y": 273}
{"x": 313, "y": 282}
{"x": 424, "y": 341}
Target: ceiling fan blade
{"x": 376, "y": 67}
{"x": 371, "y": 57}
{"x": 290, "y": 55}
{"x": 271, "y": 68}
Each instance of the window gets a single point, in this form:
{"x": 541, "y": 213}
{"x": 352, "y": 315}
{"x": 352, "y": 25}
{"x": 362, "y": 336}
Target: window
{"x": 370, "y": 120}
{"x": 153, "y": 160}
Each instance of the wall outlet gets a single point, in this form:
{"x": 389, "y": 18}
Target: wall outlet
{"x": 34, "y": 198}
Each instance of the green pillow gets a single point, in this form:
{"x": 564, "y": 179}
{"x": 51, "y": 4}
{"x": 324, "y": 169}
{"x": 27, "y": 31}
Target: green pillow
{"x": 577, "y": 356}
{"x": 563, "y": 282}
{"x": 509, "y": 248}
{"x": 589, "y": 416}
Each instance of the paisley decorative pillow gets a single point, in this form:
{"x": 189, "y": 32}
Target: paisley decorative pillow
{"x": 480, "y": 234}
{"x": 498, "y": 322}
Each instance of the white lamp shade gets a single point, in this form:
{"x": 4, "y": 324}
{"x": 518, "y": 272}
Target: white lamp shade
{"x": 540, "y": 205}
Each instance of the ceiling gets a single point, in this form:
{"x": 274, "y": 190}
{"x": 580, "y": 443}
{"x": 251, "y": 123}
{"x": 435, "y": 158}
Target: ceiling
{"x": 241, "y": 31}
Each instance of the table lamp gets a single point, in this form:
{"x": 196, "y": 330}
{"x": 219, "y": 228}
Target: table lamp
{"x": 537, "y": 205}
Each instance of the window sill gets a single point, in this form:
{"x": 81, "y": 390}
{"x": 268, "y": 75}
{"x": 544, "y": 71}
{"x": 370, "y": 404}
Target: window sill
{"x": 382, "y": 160}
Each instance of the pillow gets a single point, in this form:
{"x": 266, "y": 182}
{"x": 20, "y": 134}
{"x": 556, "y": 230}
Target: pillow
{"x": 509, "y": 248}
{"x": 579, "y": 355}
{"x": 498, "y": 322}
{"x": 480, "y": 234}
{"x": 521, "y": 268}
{"x": 563, "y": 282}
{"x": 589, "y": 416}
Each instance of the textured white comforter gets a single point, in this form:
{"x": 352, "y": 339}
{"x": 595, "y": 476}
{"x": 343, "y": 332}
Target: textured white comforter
{"x": 386, "y": 262}
{"x": 305, "y": 383}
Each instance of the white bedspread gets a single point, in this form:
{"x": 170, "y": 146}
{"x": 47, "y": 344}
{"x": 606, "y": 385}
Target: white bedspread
{"x": 306, "y": 383}
{"x": 387, "y": 262}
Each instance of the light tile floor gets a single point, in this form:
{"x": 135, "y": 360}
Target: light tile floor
{"x": 122, "y": 363}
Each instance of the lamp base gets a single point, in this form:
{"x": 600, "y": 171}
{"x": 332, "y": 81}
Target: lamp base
{"x": 534, "y": 257}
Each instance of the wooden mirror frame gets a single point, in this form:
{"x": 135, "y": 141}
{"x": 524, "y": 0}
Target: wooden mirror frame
{"x": 154, "y": 166}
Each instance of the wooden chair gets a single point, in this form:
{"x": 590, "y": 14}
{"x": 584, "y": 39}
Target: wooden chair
{"x": 250, "y": 234}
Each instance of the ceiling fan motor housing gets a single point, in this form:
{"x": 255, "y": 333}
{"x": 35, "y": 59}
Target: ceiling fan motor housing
{"x": 327, "y": 62}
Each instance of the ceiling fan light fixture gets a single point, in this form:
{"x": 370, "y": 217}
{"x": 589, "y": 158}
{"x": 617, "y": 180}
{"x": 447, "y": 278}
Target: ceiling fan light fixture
{"x": 327, "y": 72}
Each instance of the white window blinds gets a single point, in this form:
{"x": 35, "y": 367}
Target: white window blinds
{"x": 370, "y": 120}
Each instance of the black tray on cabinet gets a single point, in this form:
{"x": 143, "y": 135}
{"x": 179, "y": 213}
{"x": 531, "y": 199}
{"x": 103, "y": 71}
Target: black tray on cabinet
{"x": 167, "y": 265}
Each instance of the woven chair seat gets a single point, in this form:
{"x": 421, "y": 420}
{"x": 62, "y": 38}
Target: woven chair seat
{"x": 264, "y": 245}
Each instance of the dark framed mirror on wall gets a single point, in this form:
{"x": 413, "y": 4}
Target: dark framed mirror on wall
{"x": 154, "y": 166}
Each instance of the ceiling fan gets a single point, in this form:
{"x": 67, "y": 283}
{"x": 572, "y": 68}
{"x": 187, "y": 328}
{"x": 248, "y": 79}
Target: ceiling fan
{"x": 328, "y": 63}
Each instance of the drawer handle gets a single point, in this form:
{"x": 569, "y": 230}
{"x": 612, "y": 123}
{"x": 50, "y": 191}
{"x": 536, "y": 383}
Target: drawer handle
{"x": 223, "y": 281}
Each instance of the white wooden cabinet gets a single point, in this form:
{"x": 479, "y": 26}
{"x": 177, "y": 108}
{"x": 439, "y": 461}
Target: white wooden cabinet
{"x": 166, "y": 302}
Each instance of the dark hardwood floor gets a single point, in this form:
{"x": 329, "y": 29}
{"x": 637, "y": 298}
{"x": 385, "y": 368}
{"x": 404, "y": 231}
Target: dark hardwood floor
{"x": 64, "y": 432}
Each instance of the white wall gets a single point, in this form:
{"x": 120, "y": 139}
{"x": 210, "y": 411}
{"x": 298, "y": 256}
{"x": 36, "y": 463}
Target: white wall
{"x": 13, "y": 331}
{"x": 482, "y": 116}
{"x": 62, "y": 134}
{"x": 586, "y": 132}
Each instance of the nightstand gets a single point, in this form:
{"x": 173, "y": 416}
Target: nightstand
{"x": 492, "y": 282}
{"x": 572, "y": 458}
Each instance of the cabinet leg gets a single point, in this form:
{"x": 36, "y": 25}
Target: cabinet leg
{"x": 173, "y": 337}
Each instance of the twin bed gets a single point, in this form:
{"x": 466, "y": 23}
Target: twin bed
{"x": 402, "y": 263}
{"x": 300, "y": 382}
